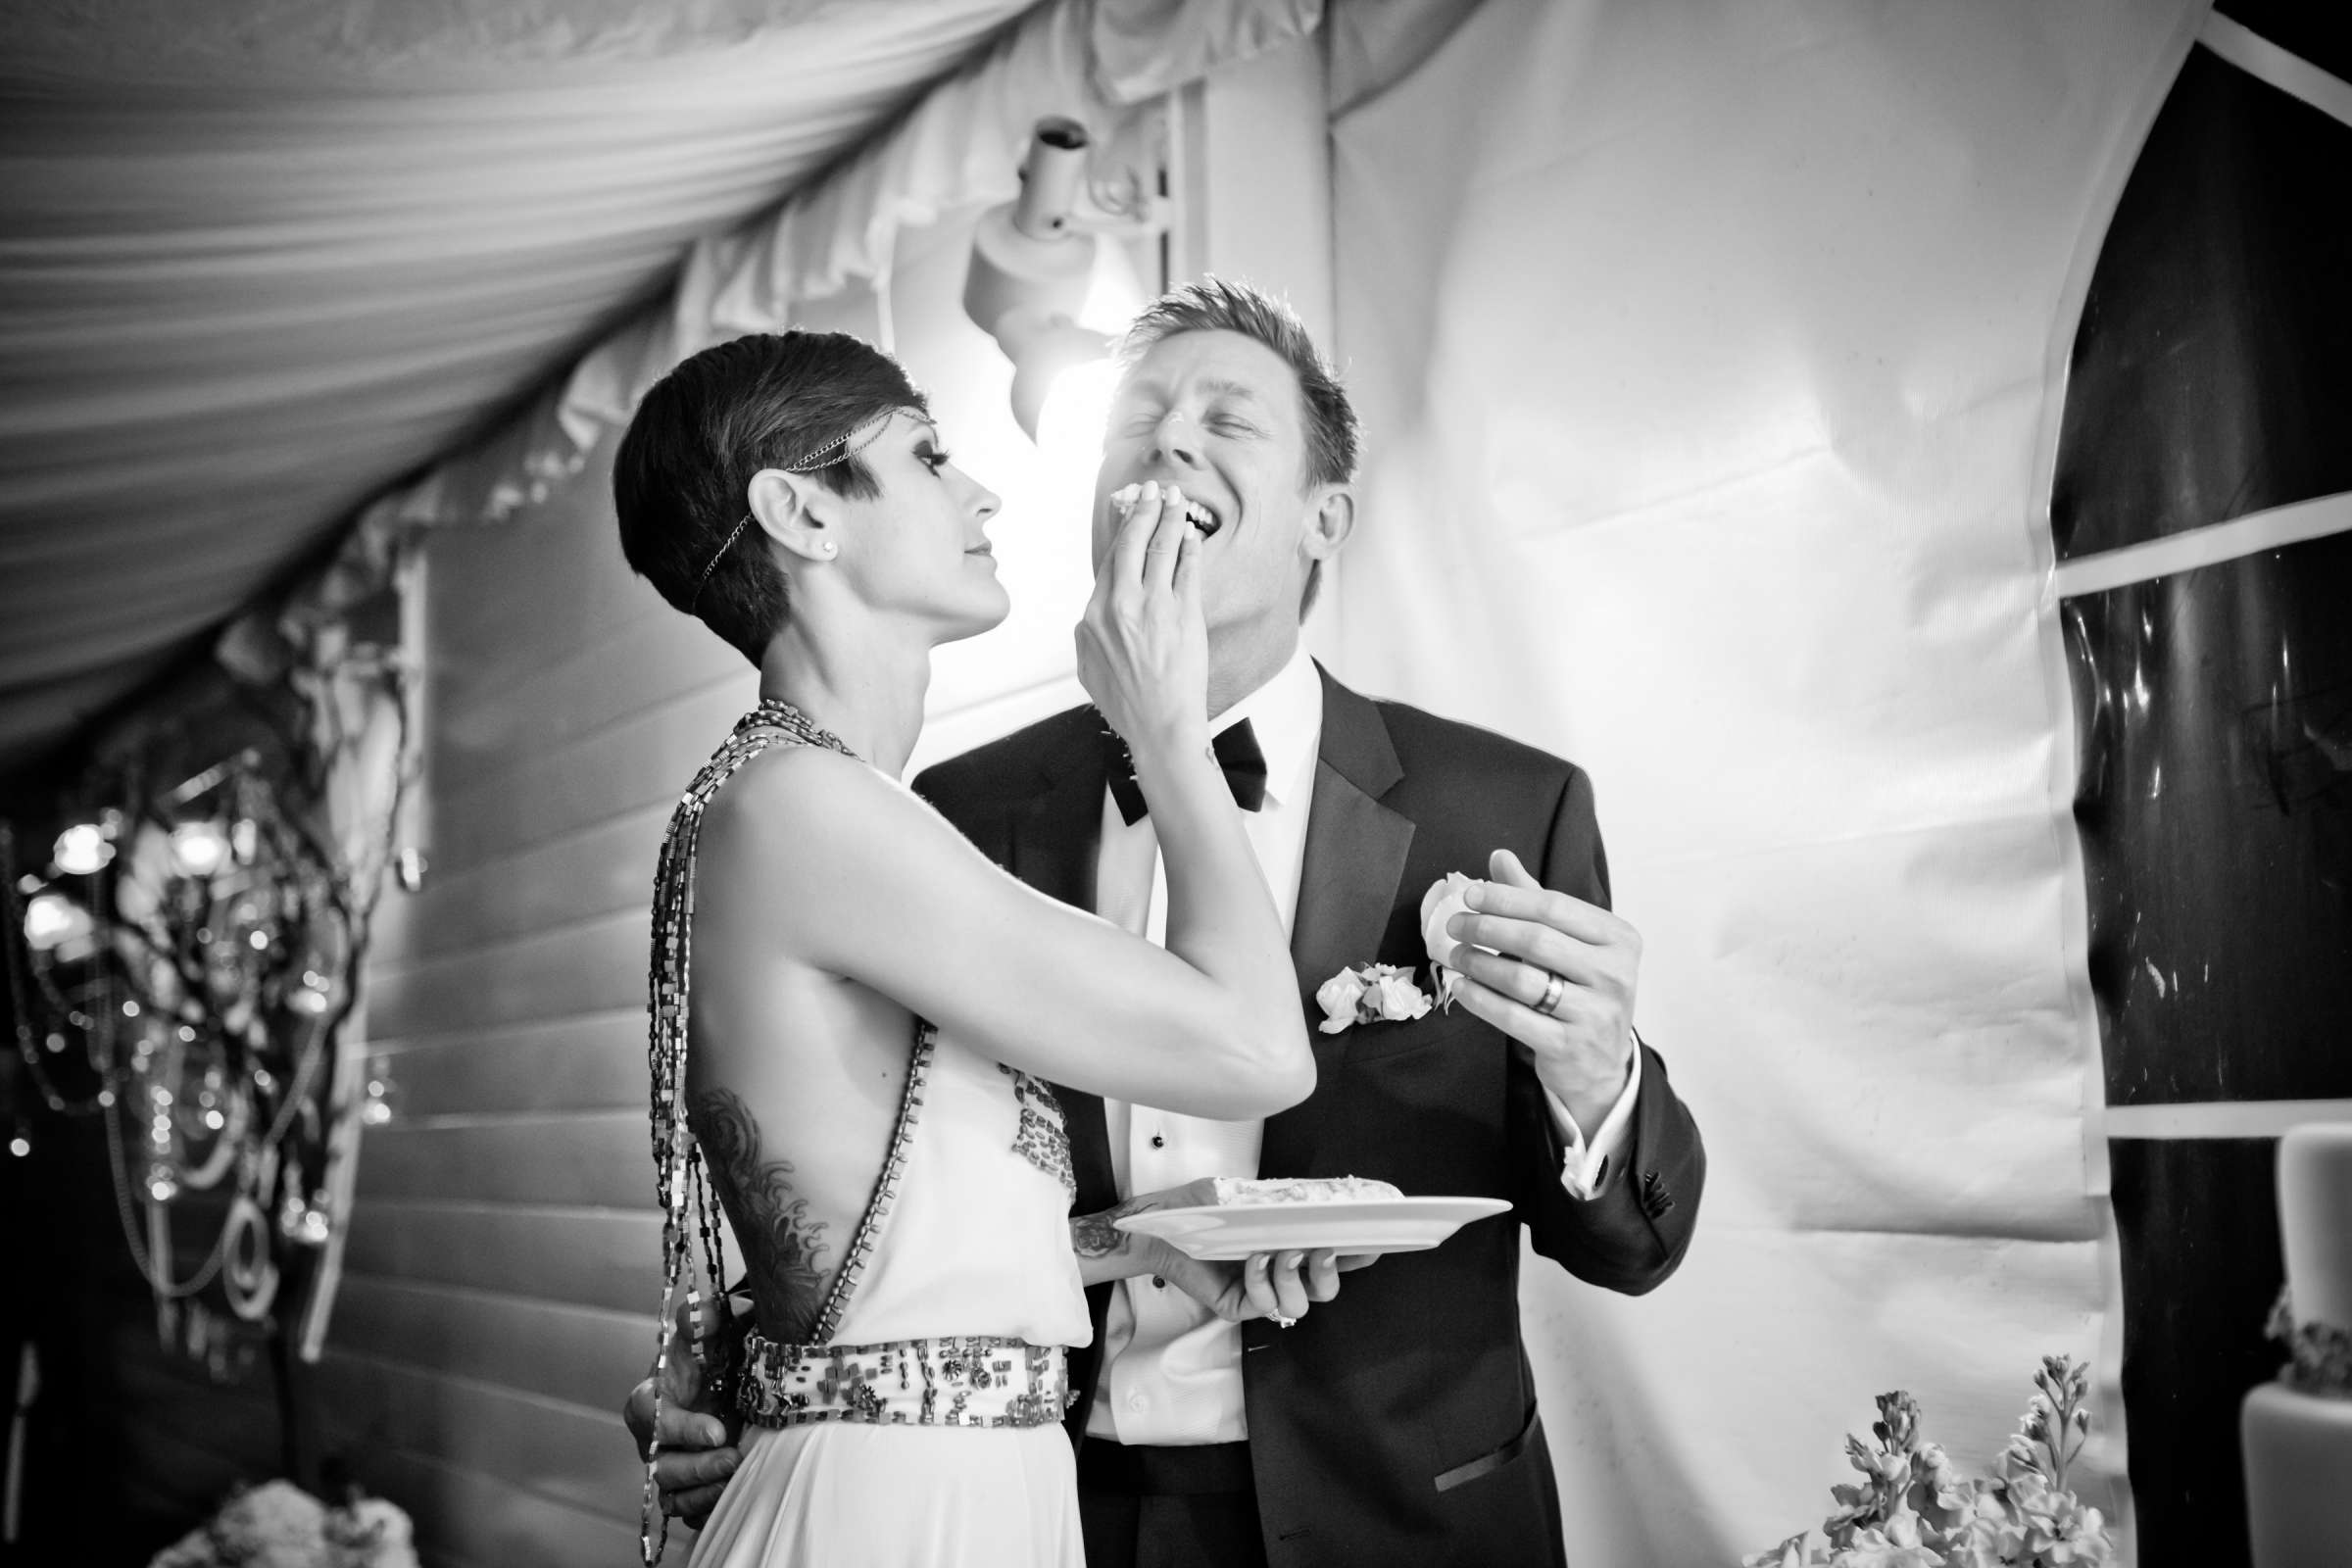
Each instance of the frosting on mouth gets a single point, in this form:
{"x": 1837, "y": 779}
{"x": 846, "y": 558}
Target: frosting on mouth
{"x": 1199, "y": 513}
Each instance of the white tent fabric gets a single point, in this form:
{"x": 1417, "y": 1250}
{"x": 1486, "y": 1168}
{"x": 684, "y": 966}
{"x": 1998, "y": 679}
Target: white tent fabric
{"x": 962, "y": 146}
{"x": 1705, "y": 352}
{"x": 258, "y": 261}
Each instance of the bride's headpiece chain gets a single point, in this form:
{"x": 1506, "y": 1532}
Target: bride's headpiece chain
{"x": 839, "y": 450}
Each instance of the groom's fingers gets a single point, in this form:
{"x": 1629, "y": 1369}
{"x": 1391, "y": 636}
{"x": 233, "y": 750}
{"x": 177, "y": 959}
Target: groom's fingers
{"x": 1525, "y": 982}
{"x": 690, "y": 1482}
{"x": 1531, "y": 940}
{"x": 698, "y": 1467}
{"x": 682, "y": 1430}
{"x": 692, "y": 1506}
{"x": 1562, "y": 913}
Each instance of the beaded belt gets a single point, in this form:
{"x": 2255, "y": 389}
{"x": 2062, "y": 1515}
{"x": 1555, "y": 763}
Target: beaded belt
{"x": 947, "y": 1383}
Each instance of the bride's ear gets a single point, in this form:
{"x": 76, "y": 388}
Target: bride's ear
{"x": 795, "y": 510}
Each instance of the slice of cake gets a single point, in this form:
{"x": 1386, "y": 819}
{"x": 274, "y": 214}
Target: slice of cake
{"x": 1233, "y": 1191}
{"x": 2297, "y": 1431}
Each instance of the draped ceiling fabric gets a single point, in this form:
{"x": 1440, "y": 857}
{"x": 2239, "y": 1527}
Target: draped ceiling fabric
{"x": 259, "y": 260}
{"x": 1709, "y": 356}
{"x": 961, "y": 147}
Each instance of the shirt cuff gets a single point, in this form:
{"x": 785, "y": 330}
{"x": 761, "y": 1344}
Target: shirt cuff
{"x": 1588, "y": 1163}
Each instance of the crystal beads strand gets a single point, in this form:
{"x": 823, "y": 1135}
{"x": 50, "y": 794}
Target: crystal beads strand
{"x": 680, "y": 1180}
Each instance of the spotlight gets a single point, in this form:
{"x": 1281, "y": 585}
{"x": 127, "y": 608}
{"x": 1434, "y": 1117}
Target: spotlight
{"x": 1032, "y": 262}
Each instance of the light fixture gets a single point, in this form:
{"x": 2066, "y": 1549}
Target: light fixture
{"x": 51, "y": 920}
{"x": 198, "y": 849}
{"x": 83, "y": 850}
{"x": 1033, "y": 262}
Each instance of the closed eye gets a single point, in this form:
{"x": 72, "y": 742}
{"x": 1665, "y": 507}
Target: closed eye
{"x": 933, "y": 457}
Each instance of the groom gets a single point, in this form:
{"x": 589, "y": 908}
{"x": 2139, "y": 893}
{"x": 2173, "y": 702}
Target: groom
{"x": 1395, "y": 1422}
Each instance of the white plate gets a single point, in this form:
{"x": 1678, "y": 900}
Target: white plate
{"x": 1224, "y": 1231}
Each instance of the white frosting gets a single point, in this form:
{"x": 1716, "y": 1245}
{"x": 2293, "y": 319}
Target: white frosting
{"x": 1234, "y": 1189}
{"x": 2315, "y": 1221}
{"x": 2298, "y": 1453}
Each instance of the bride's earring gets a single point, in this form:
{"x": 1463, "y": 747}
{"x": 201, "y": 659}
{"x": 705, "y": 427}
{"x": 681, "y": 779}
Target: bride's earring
{"x": 831, "y": 548}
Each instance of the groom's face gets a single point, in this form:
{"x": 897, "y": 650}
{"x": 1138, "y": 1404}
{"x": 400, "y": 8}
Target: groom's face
{"x": 1218, "y": 415}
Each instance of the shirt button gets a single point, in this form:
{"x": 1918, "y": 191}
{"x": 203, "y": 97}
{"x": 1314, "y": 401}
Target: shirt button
{"x": 1158, "y": 1142}
{"x": 1136, "y": 1401}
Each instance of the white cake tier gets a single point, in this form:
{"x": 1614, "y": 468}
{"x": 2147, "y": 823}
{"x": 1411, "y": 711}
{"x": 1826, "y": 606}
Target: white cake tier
{"x": 2315, "y": 1221}
{"x": 2299, "y": 1450}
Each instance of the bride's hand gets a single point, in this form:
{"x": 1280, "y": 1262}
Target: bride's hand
{"x": 1271, "y": 1285}
{"x": 1142, "y": 645}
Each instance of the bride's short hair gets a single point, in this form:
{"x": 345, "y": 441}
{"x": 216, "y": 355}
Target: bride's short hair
{"x": 769, "y": 400}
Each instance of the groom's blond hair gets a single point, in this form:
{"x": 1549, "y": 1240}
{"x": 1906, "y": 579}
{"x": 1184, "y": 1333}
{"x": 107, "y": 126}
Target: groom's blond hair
{"x": 1220, "y": 305}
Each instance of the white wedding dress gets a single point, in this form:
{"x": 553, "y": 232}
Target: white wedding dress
{"x": 888, "y": 1459}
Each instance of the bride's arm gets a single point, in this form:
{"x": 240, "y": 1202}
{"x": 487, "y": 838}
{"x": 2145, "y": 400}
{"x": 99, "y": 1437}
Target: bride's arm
{"x": 816, "y": 858}
{"x": 813, "y": 856}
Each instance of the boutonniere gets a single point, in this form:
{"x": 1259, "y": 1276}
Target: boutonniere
{"x": 1445, "y": 900}
{"x": 1369, "y": 993}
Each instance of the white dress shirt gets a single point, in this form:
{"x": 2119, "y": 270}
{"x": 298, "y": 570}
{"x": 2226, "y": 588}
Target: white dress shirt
{"x": 1171, "y": 1369}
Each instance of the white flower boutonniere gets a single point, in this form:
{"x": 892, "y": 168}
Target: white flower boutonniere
{"x": 1442, "y": 903}
{"x": 1369, "y": 993}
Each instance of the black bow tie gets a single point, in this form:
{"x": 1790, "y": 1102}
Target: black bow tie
{"x": 1238, "y": 754}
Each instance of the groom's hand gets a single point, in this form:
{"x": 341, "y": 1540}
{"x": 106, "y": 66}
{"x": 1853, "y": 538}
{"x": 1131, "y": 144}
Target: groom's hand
{"x": 697, "y": 1446}
{"x": 1583, "y": 1048}
{"x": 696, "y": 1457}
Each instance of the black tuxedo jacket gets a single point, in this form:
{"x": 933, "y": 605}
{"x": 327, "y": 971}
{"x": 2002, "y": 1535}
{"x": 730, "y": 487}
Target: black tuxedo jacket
{"x": 1396, "y": 1424}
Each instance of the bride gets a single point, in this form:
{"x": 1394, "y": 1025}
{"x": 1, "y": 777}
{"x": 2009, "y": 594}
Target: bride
{"x": 855, "y": 1013}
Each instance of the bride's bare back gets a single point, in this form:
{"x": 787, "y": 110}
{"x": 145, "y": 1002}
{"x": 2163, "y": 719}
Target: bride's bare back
{"x": 793, "y": 1089}
{"x": 832, "y": 907}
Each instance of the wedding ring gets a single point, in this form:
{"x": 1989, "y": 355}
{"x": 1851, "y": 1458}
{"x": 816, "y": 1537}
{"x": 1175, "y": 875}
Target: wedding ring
{"x": 1552, "y": 994}
{"x": 1281, "y": 1322}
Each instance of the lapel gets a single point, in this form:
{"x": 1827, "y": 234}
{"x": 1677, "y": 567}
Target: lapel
{"x": 1055, "y": 835}
{"x": 1355, "y": 857}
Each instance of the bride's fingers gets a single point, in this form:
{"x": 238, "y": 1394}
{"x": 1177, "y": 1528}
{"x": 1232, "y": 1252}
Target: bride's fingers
{"x": 1321, "y": 1275}
{"x": 1258, "y": 1285}
{"x": 1290, "y": 1290}
{"x": 1127, "y": 557}
{"x": 1168, "y": 544}
{"x": 1188, "y": 575}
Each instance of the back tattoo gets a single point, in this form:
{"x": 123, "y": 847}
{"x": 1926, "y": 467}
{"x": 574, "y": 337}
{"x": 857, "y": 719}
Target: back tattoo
{"x": 784, "y": 1248}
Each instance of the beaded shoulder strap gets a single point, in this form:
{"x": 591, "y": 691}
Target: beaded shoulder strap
{"x": 681, "y": 1178}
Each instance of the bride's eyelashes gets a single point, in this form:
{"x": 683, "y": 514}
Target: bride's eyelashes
{"x": 933, "y": 457}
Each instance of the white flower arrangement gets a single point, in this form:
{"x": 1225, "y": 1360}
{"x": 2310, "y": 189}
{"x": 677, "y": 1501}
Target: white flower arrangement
{"x": 1446, "y": 899}
{"x": 279, "y": 1525}
{"x": 1914, "y": 1509}
{"x": 1369, "y": 993}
